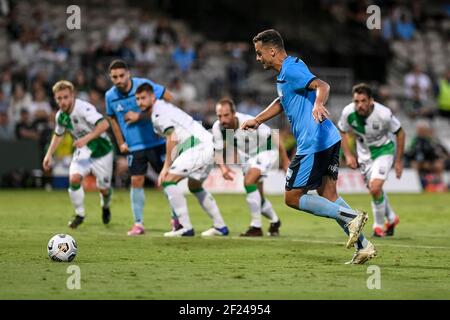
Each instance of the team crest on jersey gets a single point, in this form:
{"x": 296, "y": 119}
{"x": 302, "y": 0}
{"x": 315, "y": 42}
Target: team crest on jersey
{"x": 376, "y": 126}
{"x": 119, "y": 108}
{"x": 75, "y": 120}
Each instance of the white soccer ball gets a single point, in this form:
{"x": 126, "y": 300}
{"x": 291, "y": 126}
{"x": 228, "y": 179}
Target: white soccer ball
{"x": 62, "y": 248}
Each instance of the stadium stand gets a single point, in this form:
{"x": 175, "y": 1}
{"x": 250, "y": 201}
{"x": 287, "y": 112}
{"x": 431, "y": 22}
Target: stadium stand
{"x": 154, "y": 38}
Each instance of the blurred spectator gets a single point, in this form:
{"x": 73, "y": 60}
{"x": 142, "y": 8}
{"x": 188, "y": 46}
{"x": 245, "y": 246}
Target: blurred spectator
{"x": 443, "y": 97}
{"x": 40, "y": 107}
{"x": 23, "y": 51}
{"x": 6, "y": 127}
{"x": 237, "y": 71}
{"x": 42, "y": 26}
{"x": 19, "y": 101}
{"x": 183, "y": 93}
{"x": 101, "y": 84}
{"x": 417, "y": 107}
{"x": 4, "y": 103}
{"x": 388, "y": 25}
{"x": 165, "y": 34}
{"x": 249, "y": 105}
{"x": 386, "y": 98}
{"x": 427, "y": 155}
{"x": 24, "y": 127}
{"x": 184, "y": 56}
{"x": 80, "y": 83}
{"x": 146, "y": 29}
{"x": 62, "y": 49}
{"x": 404, "y": 27}
{"x": 118, "y": 31}
{"x": 417, "y": 78}
{"x": 126, "y": 50}
{"x": 6, "y": 82}
{"x": 145, "y": 53}
{"x": 98, "y": 100}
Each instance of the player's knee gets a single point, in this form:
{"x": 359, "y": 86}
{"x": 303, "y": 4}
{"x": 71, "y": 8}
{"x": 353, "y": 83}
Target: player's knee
{"x": 137, "y": 181}
{"x": 291, "y": 200}
{"x": 375, "y": 190}
{"x": 194, "y": 186}
{"x": 75, "y": 180}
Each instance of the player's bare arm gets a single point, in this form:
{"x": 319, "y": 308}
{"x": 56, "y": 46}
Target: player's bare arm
{"x": 398, "y": 165}
{"x": 350, "y": 159}
{"x": 47, "y": 162}
{"x": 100, "y": 128}
{"x": 320, "y": 113}
{"x": 123, "y": 147}
{"x": 274, "y": 109}
{"x": 132, "y": 117}
{"x": 171, "y": 143}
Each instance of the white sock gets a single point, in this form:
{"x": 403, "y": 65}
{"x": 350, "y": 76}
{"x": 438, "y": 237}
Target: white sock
{"x": 179, "y": 205}
{"x": 268, "y": 212}
{"x": 77, "y": 198}
{"x": 254, "y": 203}
{"x": 106, "y": 200}
{"x": 390, "y": 214}
{"x": 209, "y": 204}
{"x": 379, "y": 211}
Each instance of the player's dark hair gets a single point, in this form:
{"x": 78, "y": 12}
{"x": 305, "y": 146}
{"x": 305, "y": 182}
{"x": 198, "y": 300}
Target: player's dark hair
{"x": 228, "y": 102}
{"x": 362, "y": 88}
{"x": 145, "y": 87}
{"x": 118, "y": 64}
{"x": 270, "y": 36}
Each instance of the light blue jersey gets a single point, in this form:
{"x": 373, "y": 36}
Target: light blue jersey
{"x": 139, "y": 135}
{"x": 298, "y": 101}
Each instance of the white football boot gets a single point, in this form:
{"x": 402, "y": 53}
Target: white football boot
{"x": 363, "y": 255}
{"x": 355, "y": 227}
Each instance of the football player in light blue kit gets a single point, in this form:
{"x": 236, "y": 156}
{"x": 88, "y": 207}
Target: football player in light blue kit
{"x": 302, "y": 97}
{"x": 134, "y": 133}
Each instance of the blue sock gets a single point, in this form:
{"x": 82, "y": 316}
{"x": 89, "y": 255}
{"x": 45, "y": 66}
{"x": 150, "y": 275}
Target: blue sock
{"x": 362, "y": 241}
{"x": 323, "y": 207}
{"x": 137, "y": 203}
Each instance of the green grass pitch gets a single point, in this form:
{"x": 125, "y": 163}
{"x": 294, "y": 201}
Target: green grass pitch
{"x": 305, "y": 262}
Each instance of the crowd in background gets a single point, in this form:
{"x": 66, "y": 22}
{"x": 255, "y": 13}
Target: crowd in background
{"x": 38, "y": 57}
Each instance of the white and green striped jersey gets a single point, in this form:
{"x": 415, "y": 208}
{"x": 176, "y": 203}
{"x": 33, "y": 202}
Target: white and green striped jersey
{"x": 188, "y": 132}
{"x": 373, "y": 133}
{"x": 81, "y": 121}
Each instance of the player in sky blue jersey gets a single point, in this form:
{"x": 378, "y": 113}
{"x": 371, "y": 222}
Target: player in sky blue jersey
{"x": 134, "y": 133}
{"x": 302, "y": 97}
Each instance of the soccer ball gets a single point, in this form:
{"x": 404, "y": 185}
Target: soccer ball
{"x": 62, "y": 248}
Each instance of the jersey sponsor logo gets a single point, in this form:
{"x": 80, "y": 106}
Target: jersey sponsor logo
{"x": 119, "y": 108}
{"x": 376, "y": 126}
{"x": 382, "y": 170}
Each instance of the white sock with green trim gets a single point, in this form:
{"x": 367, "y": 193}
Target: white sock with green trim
{"x": 178, "y": 203}
{"x": 208, "y": 203}
{"x": 76, "y": 194}
{"x": 254, "y": 203}
{"x": 268, "y": 212}
{"x": 379, "y": 211}
{"x": 390, "y": 213}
